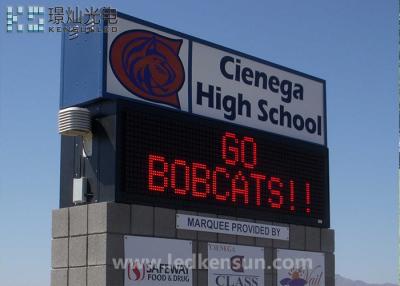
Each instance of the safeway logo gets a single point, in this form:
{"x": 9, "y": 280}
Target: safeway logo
{"x": 136, "y": 272}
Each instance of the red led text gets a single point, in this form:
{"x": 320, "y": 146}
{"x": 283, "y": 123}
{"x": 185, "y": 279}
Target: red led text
{"x": 235, "y": 182}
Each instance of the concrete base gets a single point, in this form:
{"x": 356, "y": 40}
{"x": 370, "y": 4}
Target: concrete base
{"x": 86, "y": 239}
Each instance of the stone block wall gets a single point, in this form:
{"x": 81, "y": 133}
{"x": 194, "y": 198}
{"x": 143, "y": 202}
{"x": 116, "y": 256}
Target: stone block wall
{"x": 86, "y": 238}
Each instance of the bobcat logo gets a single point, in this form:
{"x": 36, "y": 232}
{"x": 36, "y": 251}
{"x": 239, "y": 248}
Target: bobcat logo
{"x": 148, "y": 65}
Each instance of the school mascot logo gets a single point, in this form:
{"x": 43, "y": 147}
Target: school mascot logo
{"x": 148, "y": 65}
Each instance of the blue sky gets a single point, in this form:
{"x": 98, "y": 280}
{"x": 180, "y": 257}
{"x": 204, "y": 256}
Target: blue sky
{"x": 352, "y": 44}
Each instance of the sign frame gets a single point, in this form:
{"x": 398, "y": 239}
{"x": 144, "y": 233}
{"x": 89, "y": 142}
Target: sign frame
{"x": 84, "y": 83}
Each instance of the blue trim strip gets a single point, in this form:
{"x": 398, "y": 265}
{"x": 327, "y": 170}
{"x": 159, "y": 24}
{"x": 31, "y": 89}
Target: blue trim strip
{"x": 325, "y": 117}
{"x": 61, "y": 101}
{"x": 190, "y": 76}
{"x": 105, "y": 58}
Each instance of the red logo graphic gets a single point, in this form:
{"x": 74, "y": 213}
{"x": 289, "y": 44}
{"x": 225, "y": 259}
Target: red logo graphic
{"x": 148, "y": 65}
{"x": 237, "y": 263}
{"x": 136, "y": 272}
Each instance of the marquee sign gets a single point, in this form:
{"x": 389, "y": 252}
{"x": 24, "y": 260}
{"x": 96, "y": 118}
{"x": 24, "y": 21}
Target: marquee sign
{"x": 146, "y": 62}
{"x": 183, "y": 123}
{"x": 176, "y": 160}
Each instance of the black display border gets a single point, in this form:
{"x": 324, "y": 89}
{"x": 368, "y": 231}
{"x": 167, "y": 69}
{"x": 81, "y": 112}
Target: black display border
{"x": 195, "y": 206}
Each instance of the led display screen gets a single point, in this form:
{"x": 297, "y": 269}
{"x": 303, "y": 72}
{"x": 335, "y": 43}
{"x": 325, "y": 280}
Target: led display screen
{"x": 176, "y": 160}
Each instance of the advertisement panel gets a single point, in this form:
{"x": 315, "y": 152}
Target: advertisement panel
{"x": 235, "y": 265}
{"x": 157, "y": 261}
{"x": 306, "y": 268}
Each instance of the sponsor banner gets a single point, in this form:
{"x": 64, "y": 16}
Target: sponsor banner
{"x": 237, "y": 265}
{"x": 157, "y": 261}
{"x": 160, "y": 66}
{"x": 311, "y": 272}
{"x": 226, "y": 226}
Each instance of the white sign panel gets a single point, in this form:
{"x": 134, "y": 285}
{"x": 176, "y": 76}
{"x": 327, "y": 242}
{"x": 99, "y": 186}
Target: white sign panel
{"x": 235, "y": 265}
{"x": 300, "y": 268}
{"x": 216, "y": 225}
{"x": 160, "y": 66}
{"x": 157, "y": 261}
{"x": 233, "y": 88}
